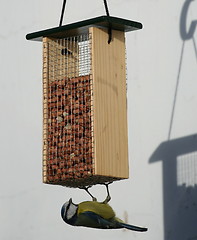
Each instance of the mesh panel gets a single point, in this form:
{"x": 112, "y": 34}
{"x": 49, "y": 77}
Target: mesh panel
{"x": 68, "y": 149}
{"x": 68, "y": 134}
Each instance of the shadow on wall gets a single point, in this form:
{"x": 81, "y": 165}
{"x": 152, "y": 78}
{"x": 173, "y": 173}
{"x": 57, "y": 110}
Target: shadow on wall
{"x": 185, "y": 34}
{"x": 179, "y": 158}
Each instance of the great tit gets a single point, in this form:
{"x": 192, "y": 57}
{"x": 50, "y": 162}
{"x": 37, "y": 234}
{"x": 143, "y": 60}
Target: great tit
{"x": 94, "y": 214}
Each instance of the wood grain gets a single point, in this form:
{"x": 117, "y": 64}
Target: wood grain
{"x": 109, "y": 102}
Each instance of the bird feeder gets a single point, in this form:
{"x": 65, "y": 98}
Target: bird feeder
{"x": 85, "y": 138}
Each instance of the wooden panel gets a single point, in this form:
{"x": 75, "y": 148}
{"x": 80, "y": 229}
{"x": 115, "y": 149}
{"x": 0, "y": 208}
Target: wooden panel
{"x": 45, "y": 108}
{"x": 110, "y": 107}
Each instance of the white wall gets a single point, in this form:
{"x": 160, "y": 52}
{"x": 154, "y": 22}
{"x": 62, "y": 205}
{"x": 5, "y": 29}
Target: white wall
{"x": 162, "y": 99}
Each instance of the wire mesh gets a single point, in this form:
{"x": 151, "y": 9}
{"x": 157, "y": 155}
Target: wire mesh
{"x": 68, "y": 149}
{"x": 187, "y": 170}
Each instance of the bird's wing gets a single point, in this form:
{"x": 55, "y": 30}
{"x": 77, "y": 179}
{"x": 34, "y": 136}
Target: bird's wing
{"x": 93, "y": 220}
{"x": 101, "y": 209}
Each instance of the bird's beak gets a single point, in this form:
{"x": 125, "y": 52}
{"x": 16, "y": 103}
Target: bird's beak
{"x": 70, "y": 201}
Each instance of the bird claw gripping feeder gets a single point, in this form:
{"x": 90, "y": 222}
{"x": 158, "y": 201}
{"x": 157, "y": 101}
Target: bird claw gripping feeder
{"x": 84, "y": 101}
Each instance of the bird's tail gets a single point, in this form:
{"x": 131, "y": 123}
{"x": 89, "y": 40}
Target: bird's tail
{"x": 134, "y": 228}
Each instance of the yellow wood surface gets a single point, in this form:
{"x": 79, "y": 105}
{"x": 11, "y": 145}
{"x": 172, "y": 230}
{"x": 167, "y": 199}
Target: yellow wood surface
{"x": 109, "y": 103}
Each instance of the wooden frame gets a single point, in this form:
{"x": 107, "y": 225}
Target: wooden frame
{"x": 109, "y": 101}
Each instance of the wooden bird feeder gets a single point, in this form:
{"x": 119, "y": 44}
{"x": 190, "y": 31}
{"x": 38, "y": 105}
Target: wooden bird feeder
{"x": 84, "y": 102}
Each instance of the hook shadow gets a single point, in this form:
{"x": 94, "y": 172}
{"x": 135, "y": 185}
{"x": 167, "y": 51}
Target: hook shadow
{"x": 185, "y": 34}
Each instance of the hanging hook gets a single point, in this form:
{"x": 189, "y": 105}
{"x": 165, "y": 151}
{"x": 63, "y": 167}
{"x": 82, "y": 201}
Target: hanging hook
{"x": 109, "y": 27}
{"x": 110, "y": 34}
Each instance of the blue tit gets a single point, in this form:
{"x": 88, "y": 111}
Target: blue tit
{"x": 94, "y": 214}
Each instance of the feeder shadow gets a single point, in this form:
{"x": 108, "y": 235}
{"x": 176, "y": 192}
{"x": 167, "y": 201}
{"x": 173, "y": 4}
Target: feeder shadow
{"x": 179, "y": 158}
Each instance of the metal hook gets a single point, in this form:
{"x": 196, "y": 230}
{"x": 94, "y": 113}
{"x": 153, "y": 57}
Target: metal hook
{"x": 109, "y": 28}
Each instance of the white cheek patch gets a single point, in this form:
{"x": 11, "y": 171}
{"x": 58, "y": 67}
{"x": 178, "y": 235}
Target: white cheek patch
{"x": 71, "y": 211}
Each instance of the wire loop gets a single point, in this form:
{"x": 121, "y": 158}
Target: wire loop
{"x": 106, "y": 7}
{"x": 62, "y": 13}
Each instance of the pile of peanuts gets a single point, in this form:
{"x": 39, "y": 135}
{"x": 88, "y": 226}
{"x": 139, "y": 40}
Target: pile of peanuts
{"x": 70, "y": 147}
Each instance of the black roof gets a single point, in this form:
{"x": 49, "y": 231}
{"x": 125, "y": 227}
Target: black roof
{"x": 82, "y": 27}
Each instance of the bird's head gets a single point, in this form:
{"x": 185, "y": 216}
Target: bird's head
{"x": 69, "y": 210}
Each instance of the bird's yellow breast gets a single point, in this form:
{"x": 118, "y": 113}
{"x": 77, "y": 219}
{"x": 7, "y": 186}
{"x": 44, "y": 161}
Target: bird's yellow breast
{"x": 102, "y": 209}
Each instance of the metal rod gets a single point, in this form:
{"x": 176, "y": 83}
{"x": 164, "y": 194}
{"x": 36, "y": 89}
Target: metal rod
{"x": 62, "y": 13}
{"x": 106, "y": 8}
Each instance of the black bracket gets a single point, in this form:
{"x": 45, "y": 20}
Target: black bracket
{"x": 110, "y": 34}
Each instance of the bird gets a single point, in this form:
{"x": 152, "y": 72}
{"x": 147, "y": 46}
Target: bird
{"x": 94, "y": 214}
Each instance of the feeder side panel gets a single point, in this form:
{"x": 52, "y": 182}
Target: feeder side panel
{"x": 110, "y": 106}
{"x": 45, "y": 108}
{"x": 68, "y": 149}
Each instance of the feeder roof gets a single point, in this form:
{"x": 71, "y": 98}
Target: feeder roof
{"x": 82, "y": 27}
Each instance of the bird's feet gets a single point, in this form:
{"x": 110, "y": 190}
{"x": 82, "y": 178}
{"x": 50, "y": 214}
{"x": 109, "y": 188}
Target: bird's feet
{"x": 86, "y": 189}
{"x": 108, "y": 198}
